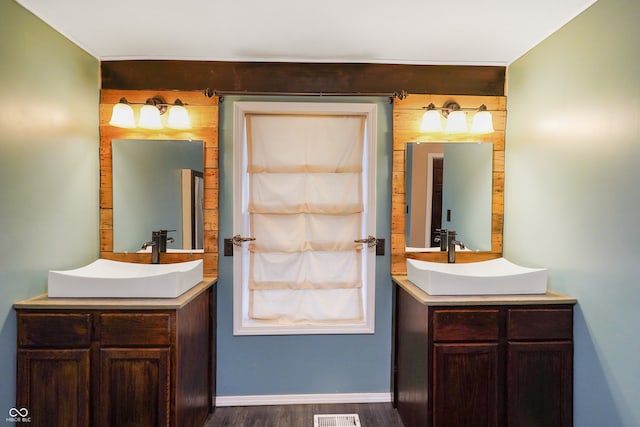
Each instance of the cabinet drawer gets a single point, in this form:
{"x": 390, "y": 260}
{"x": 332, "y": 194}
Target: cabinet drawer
{"x": 544, "y": 324}
{"x": 54, "y": 330}
{"x": 128, "y": 329}
{"x": 465, "y": 325}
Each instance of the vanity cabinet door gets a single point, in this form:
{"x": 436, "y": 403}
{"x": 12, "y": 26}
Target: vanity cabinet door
{"x": 466, "y": 384}
{"x": 466, "y": 366}
{"x": 539, "y": 384}
{"x": 540, "y": 367}
{"x": 53, "y": 385}
{"x": 134, "y": 387}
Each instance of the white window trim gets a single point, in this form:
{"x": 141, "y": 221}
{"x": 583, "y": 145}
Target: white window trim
{"x": 241, "y": 109}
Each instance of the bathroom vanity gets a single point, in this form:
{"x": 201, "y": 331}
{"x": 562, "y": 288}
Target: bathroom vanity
{"x": 482, "y": 360}
{"x": 118, "y": 361}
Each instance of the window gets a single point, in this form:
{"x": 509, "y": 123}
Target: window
{"x": 304, "y": 189}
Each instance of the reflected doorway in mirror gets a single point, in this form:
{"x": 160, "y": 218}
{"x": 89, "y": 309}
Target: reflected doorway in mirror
{"x": 192, "y": 209}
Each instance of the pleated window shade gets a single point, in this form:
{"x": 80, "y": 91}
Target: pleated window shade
{"x": 305, "y": 206}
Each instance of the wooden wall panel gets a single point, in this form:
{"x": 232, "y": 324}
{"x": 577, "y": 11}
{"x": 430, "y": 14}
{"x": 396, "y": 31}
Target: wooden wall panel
{"x": 203, "y": 112}
{"x": 470, "y": 86}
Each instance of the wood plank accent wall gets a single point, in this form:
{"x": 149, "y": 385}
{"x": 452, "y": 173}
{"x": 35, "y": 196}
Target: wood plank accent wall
{"x": 203, "y": 112}
{"x": 407, "y": 116}
{"x": 292, "y": 77}
{"x": 469, "y": 85}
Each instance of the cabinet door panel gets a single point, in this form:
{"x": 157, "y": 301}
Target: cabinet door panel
{"x": 134, "y": 387}
{"x": 466, "y": 385}
{"x": 53, "y": 385}
{"x": 540, "y": 384}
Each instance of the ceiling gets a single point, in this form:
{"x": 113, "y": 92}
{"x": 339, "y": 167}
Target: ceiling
{"x": 489, "y": 32}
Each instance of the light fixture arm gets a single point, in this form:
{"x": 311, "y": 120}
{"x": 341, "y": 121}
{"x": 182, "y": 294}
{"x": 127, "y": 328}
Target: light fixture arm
{"x": 454, "y": 106}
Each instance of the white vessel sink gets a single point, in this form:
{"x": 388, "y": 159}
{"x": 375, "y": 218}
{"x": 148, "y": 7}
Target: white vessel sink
{"x": 114, "y": 279}
{"x": 493, "y": 277}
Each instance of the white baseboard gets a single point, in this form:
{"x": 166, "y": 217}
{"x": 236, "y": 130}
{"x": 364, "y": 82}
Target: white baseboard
{"x": 302, "y": 399}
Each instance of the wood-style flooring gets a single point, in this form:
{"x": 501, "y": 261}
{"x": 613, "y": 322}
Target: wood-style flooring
{"x": 371, "y": 415}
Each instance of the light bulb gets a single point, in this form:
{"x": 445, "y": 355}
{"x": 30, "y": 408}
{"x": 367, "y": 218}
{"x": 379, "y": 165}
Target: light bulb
{"x": 149, "y": 117}
{"x": 178, "y": 117}
{"x": 122, "y": 115}
{"x": 431, "y": 121}
{"x": 482, "y": 122}
{"x": 456, "y": 122}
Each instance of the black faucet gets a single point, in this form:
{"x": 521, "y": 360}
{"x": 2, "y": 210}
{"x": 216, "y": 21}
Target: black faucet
{"x": 451, "y": 255}
{"x": 158, "y": 244}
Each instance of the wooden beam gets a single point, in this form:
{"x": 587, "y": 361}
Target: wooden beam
{"x": 288, "y": 77}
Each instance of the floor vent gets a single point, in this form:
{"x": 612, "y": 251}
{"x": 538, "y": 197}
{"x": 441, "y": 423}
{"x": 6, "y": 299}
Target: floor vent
{"x": 336, "y": 420}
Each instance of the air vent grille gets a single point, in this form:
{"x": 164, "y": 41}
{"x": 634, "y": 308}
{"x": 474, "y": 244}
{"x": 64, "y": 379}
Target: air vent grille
{"x": 336, "y": 420}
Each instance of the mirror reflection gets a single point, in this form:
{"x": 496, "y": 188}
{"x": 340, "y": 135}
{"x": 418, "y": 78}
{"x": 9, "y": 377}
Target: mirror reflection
{"x": 448, "y": 185}
{"x": 157, "y": 185}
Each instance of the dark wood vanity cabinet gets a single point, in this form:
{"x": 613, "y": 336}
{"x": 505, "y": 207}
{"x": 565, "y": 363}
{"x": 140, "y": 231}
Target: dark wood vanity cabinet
{"x": 118, "y": 366}
{"x": 482, "y": 365}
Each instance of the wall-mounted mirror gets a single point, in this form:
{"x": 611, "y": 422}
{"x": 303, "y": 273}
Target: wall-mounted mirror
{"x": 448, "y": 185}
{"x": 157, "y": 184}
{"x": 407, "y": 119}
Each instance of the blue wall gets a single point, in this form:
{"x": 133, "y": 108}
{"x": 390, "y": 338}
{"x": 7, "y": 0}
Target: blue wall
{"x": 306, "y": 364}
{"x": 572, "y": 194}
{"x": 49, "y": 173}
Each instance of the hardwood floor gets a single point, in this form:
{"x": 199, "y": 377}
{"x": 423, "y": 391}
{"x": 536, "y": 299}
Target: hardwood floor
{"x": 371, "y": 415}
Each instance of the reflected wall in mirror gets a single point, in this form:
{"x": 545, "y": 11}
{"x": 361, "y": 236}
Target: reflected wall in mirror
{"x": 448, "y": 185}
{"x": 149, "y": 193}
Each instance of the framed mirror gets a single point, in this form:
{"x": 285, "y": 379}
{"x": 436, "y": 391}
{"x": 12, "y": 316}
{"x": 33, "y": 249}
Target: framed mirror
{"x": 157, "y": 185}
{"x": 448, "y": 186}
{"x": 407, "y": 117}
{"x": 203, "y": 135}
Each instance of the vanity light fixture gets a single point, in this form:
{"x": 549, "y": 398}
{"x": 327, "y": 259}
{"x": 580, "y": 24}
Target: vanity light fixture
{"x": 122, "y": 115}
{"x": 456, "y": 119}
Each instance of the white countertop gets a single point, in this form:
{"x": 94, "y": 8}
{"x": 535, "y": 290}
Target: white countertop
{"x": 550, "y": 297}
{"x": 43, "y": 302}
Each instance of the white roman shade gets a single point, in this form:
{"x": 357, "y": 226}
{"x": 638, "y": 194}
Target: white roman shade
{"x": 305, "y": 208}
